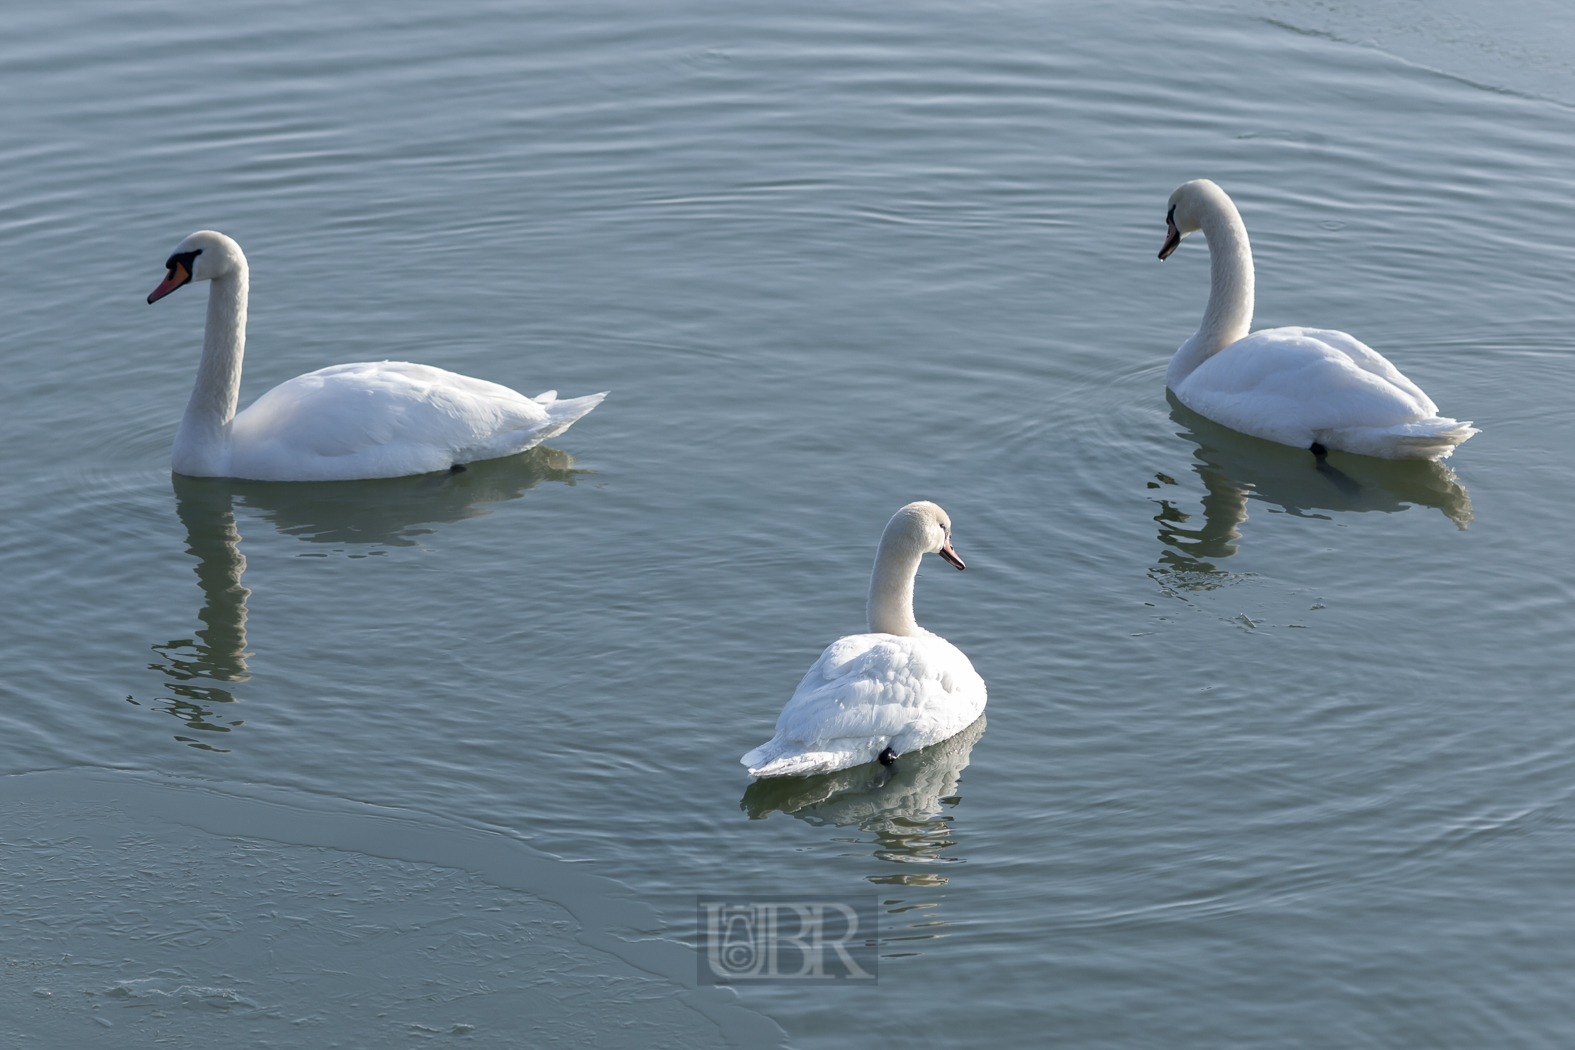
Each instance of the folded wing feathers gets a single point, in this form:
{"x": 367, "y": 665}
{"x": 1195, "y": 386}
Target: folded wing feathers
{"x": 864, "y": 692}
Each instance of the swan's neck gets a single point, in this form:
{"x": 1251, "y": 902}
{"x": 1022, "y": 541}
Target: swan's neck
{"x": 1229, "y": 313}
{"x": 891, "y": 588}
{"x": 205, "y": 429}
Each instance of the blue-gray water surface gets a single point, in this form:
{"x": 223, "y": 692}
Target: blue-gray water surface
{"x": 1274, "y": 756}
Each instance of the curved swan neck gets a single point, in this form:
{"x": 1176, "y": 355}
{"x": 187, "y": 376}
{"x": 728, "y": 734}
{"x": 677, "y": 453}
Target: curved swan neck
{"x": 204, "y": 430}
{"x": 1228, "y": 316}
{"x": 891, "y": 586}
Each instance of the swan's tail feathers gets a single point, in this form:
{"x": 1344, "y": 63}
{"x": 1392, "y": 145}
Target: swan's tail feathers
{"x": 784, "y": 758}
{"x": 762, "y": 757}
{"x": 562, "y": 414}
{"x": 1435, "y": 438}
{"x": 801, "y": 764}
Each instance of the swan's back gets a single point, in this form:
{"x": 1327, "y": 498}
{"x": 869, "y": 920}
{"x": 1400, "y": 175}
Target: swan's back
{"x": 384, "y": 419}
{"x": 868, "y": 692}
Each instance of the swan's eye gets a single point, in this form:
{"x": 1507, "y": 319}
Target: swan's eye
{"x": 1170, "y": 216}
{"x": 182, "y": 259}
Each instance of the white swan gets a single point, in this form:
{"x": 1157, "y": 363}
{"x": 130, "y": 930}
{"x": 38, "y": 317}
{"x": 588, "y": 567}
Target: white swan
{"x": 382, "y": 419}
{"x": 1305, "y": 387}
{"x": 878, "y": 695}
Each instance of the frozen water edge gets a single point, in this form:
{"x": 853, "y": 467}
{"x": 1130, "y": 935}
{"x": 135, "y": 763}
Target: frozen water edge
{"x": 141, "y": 910}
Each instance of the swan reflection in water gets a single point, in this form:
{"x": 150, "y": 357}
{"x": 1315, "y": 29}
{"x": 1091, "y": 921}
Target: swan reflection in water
{"x": 906, "y": 806}
{"x": 1235, "y": 468}
{"x": 389, "y": 512}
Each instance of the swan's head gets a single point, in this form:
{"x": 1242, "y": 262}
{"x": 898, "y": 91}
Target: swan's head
{"x": 1188, "y": 205}
{"x": 923, "y": 526}
{"x": 203, "y": 256}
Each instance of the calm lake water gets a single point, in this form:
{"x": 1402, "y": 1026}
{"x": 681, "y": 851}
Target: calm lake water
{"x": 1274, "y": 757}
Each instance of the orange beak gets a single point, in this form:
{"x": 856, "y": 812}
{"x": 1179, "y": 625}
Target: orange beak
{"x": 177, "y": 276}
{"x": 951, "y": 555}
{"x": 1172, "y": 238}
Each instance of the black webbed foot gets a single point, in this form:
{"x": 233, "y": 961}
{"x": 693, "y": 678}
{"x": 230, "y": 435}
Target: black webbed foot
{"x": 457, "y": 468}
{"x": 887, "y": 757}
{"x": 1346, "y": 484}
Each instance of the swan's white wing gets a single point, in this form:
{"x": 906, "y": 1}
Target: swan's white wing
{"x": 384, "y": 419}
{"x": 1290, "y": 384}
{"x": 1365, "y": 358}
{"x": 345, "y": 409}
{"x": 868, "y": 692}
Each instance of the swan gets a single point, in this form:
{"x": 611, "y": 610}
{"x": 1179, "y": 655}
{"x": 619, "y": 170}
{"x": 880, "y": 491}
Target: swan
{"x": 896, "y": 689}
{"x": 1306, "y": 387}
{"x": 382, "y": 419}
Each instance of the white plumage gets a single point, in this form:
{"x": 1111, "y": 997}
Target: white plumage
{"x": 898, "y": 688}
{"x": 379, "y": 419}
{"x": 1296, "y": 386}
{"x": 386, "y": 419}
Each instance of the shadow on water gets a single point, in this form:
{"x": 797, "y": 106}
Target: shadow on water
{"x": 390, "y": 512}
{"x": 218, "y": 652}
{"x": 1235, "y": 468}
{"x": 905, "y": 806}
